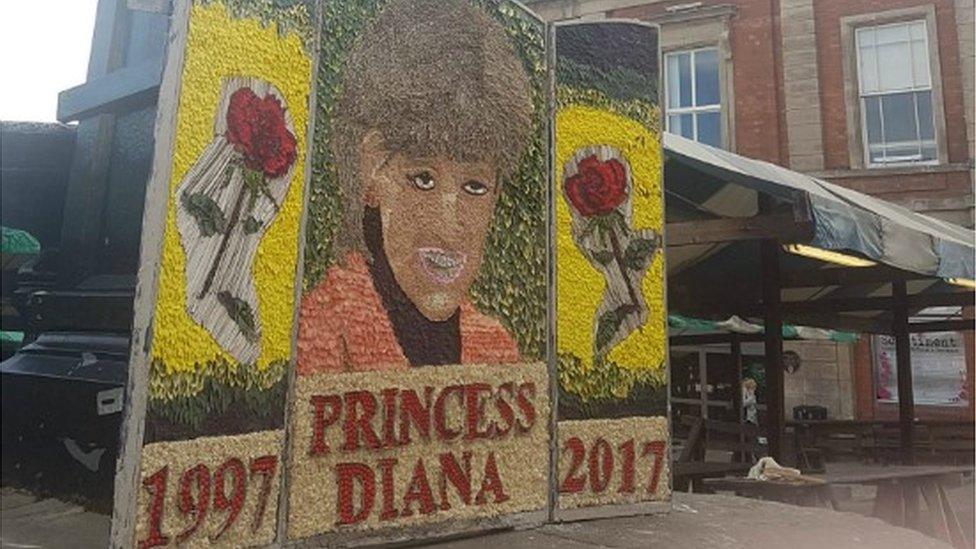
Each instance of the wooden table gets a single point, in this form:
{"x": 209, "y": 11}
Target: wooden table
{"x": 901, "y": 489}
{"x": 808, "y": 494}
{"x": 898, "y": 501}
{"x": 693, "y": 473}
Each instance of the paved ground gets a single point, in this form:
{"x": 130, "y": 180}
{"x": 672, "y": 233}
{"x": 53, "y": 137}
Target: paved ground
{"x": 697, "y": 521}
{"x": 715, "y": 521}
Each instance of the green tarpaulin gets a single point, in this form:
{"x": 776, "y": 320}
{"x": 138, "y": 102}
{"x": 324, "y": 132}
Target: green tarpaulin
{"x": 688, "y": 325}
{"x": 17, "y": 242}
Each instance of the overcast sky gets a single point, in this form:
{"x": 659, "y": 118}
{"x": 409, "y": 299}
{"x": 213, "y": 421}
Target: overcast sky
{"x": 44, "y": 46}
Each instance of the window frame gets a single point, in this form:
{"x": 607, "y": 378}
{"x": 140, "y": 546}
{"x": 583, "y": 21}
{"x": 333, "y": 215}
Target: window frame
{"x": 864, "y": 95}
{"x": 695, "y": 109}
{"x": 858, "y": 146}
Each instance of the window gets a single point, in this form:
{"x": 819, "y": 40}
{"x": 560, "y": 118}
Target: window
{"x": 895, "y": 87}
{"x": 693, "y": 101}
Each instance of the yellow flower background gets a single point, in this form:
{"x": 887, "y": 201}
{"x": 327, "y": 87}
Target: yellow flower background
{"x": 580, "y": 285}
{"x": 220, "y": 46}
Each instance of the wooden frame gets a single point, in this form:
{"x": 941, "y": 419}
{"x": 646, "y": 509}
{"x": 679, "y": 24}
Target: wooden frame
{"x": 137, "y": 388}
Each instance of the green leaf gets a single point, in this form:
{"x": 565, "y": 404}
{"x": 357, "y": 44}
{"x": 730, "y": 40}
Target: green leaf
{"x": 606, "y": 327}
{"x": 639, "y": 253}
{"x": 241, "y": 313}
{"x": 602, "y": 257}
{"x": 208, "y": 215}
{"x": 251, "y": 225}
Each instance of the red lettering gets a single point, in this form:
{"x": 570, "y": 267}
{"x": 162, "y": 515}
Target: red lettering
{"x": 627, "y": 469}
{"x": 264, "y": 466}
{"x": 656, "y": 448}
{"x": 574, "y": 482}
{"x": 451, "y": 471}
{"x": 188, "y": 505}
{"x": 474, "y": 407}
{"x": 523, "y": 399}
{"x": 440, "y": 414}
{"x": 601, "y": 465}
{"x": 358, "y": 426}
{"x": 418, "y": 490}
{"x": 321, "y": 420}
{"x": 412, "y": 412}
{"x": 491, "y": 482}
{"x": 389, "y": 416}
{"x": 505, "y": 408}
{"x": 156, "y": 485}
{"x": 235, "y": 502}
{"x": 347, "y": 476}
{"x": 388, "y": 511}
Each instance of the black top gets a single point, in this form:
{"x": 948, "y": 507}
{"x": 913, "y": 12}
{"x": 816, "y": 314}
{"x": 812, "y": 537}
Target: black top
{"x": 424, "y": 341}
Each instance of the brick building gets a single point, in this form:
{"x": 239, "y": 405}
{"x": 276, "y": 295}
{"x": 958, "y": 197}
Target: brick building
{"x": 874, "y": 95}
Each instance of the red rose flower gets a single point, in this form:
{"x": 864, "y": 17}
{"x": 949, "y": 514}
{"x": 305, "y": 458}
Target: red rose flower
{"x": 598, "y": 187}
{"x": 256, "y": 127}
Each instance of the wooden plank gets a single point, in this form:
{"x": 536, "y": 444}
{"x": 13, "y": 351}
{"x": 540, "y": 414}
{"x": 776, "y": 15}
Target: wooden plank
{"x": 109, "y": 92}
{"x": 706, "y": 339}
{"x": 957, "y": 538}
{"x": 137, "y": 386}
{"x": 940, "y": 526}
{"x": 773, "y": 321}
{"x": 910, "y": 494}
{"x": 730, "y": 229}
{"x": 695, "y": 439}
{"x": 903, "y": 351}
{"x": 888, "y": 503}
{"x": 917, "y": 301}
{"x": 847, "y": 276}
{"x": 942, "y": 326}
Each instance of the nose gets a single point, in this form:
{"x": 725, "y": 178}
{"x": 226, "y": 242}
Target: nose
{"x": 448, "y": 213}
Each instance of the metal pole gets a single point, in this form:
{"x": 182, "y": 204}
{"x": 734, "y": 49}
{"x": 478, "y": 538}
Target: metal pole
{"x": 773, "y": 339}
{"x": 903, "y": 352}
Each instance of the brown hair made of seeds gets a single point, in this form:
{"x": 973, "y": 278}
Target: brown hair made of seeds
{"x": 434, "y": 78}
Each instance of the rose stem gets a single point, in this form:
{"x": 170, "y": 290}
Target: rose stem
{"x": 615, "y": 244}
{"x": 234, "y": 217}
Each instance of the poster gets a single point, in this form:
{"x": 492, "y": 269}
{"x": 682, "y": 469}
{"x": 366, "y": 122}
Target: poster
{"x": 421, "y": 397}
{"x": 611, "y": 339}
{"x": 938, "y": 369}
{"x": 205, "y": 432}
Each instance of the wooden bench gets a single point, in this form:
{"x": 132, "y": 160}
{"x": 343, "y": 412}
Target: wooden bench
{"x": 692, "y": 466}
{"x": 949, "y": 442}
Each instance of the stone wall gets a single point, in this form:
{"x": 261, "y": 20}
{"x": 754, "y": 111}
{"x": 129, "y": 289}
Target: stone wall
{"x": 824, "y": 378}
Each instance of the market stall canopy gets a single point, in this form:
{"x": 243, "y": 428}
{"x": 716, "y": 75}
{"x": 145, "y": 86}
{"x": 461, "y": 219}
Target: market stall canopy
{"x": 720, "y": 205}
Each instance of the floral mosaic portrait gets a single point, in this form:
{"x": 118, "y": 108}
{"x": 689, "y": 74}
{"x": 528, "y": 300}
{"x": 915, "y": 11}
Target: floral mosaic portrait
{"x": 426, "y": 236}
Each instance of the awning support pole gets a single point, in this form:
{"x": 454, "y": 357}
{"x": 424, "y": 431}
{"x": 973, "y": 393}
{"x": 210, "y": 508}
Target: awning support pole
{"x": 736, "y": 347}
{"x": 773, "y": 339}
{"x": 903, "y": 353}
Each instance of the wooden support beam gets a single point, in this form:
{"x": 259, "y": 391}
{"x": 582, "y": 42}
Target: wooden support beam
{"x": 903, "y": 352}
{"x": 111, "y": 92}
{"x": 730, "y": 229}
{"x": 832, "y": 321}
{"x": 736, "y": 348}
{"x": 853, "y": 304}
{"x": 960, "y": 325}
{"x": 847, "y": 276}
{"x": 708, "y": 339}
{"x": 773, "y": 339}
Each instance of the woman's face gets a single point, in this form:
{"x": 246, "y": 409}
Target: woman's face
{"x": 435, "y": 214}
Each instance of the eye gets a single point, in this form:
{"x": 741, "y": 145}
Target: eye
{"x": 422, "y": 180}
{"x": 475, "y": 188}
